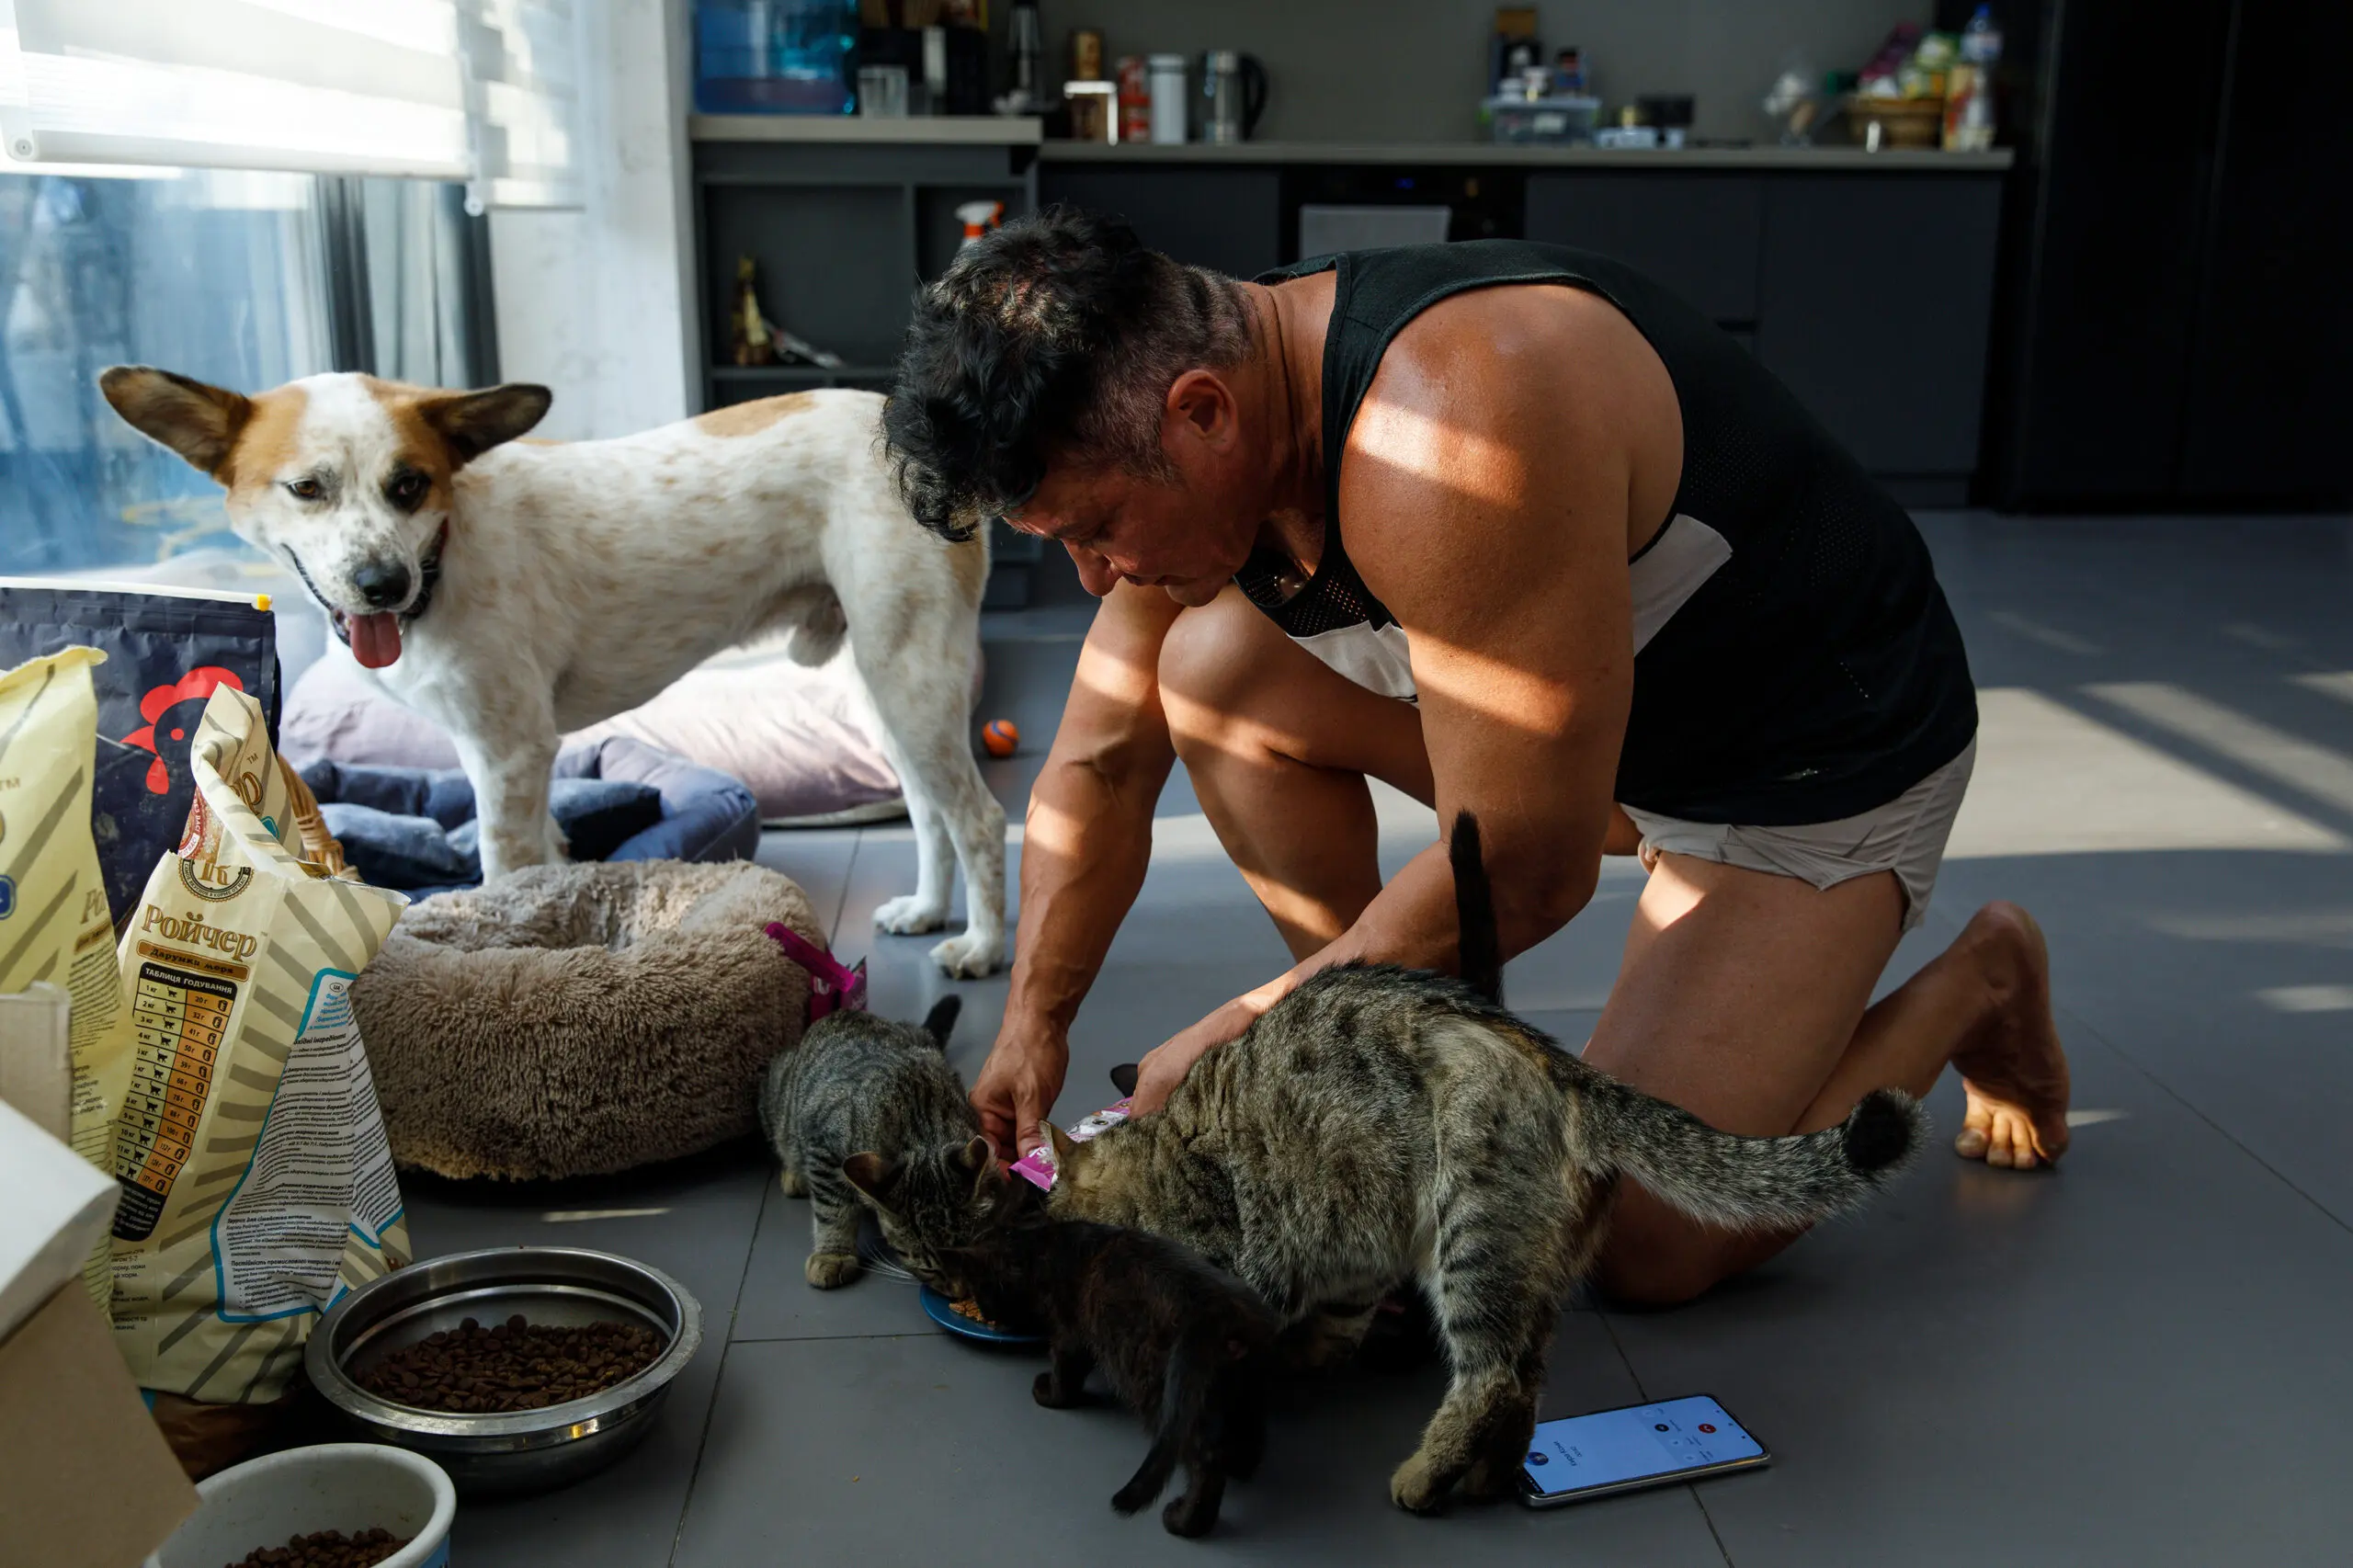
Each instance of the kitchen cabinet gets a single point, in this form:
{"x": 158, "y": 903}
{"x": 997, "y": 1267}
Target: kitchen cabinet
{"x": 1874, "y": 297}
{"x": 1699, "y": 234}
{"x": 841, "y": 236}
{"x": 1864, "y": 282}
{"x": 1227, "y": 220}
{"x": 1870, "y": 296}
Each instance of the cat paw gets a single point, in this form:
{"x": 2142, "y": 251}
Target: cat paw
{"x": 1325, "y": 1341}
{"x": 1415, "y": 1488}
{"x": 967, "y": 957}
{"x": 1179, "y": 1519}
{"x": 794, "y": 1184}
{"x": 1042, "y": 1390}
{"x": 908, "y": 915}
{"x": 828, "y": 1270}
{"x": 1488, "y": 1479}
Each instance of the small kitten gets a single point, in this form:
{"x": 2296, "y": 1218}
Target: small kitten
{"x": 1183, "y": 1345}
{"x": 867, "y": 1109}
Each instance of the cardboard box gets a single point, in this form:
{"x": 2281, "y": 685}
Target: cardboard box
{"x": 85, "y": 1478}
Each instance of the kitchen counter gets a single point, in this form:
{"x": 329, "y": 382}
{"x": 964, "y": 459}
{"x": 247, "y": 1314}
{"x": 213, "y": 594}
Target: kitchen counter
{"x": 993, "y": 130}
{"x": 856, "y": 131}
{"x": 1524, "y": 155}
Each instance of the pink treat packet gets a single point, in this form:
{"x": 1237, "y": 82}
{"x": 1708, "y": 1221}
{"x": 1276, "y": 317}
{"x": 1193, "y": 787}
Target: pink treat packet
{"x": 1036, "y": 1167}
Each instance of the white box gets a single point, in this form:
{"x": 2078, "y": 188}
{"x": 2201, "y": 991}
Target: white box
{"x": 59, "y": 1207}
{"x": 36, "y": 1063}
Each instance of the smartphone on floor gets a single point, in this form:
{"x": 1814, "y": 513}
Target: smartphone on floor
{"x": 1627, "y": 1449}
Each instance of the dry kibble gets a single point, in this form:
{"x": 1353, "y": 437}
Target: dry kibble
{"x": 328, "y": 1549}
{"x": 511, "y": 1366}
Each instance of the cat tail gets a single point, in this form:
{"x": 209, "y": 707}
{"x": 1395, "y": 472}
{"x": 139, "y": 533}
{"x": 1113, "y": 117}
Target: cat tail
{"x": 941, "y": 1022}
{"x": 1183, "y": 1391}
{"x": 1478, "y": 950}
{"x": 1752, "y": 1184}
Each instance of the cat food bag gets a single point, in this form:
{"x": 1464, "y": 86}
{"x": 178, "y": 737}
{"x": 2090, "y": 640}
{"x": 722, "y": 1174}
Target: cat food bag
{"x": 55, "y": 924}
{"x": 168, "y": 650}
{"x": 256, "y": 1183}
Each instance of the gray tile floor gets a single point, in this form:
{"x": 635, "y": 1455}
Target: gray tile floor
{"x": 2138, "y": 1360}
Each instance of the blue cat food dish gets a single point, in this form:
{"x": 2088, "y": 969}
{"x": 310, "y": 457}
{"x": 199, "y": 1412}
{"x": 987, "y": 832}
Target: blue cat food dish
{"x": 963, "y": 1318}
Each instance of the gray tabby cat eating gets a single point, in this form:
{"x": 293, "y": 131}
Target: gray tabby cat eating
{"x": 867, "y": 1112}
{"x": 1380, "y": 1124}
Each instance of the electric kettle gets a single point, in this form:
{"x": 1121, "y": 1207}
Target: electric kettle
{"x": 1234, "y": 89}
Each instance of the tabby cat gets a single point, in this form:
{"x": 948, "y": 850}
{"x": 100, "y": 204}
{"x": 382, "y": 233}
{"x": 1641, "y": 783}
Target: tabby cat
{"x": 1382, "y": 1124}
{"x": 866, "y": 1112}
{"x": 1186, "y": 1347}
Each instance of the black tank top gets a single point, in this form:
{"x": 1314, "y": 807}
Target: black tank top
{"x": 1795, "y": 659}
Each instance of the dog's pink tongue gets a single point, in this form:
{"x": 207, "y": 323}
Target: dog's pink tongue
{"x": 375, "y": 639}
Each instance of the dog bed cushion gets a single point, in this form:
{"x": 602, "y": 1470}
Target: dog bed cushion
{"x": 414, "y": 828}
{"x": 805, "y": 739}
{"x": 582, "y": 1020}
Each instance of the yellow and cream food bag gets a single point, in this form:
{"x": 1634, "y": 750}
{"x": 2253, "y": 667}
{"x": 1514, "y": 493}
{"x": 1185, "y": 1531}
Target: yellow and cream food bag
{"x": 55, "y": 924}
{"x": 256, "y": 1182}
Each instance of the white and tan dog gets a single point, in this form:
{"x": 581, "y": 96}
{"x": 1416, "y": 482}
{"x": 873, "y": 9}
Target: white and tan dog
{"x": 512, "y": 592}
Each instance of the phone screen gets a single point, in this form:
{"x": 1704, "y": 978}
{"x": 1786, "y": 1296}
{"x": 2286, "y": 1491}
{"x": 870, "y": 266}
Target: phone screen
{"x": 1617, "y": 1449}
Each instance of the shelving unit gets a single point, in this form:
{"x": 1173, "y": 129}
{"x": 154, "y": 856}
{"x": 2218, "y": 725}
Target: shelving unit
{"x": 825, "y": 210}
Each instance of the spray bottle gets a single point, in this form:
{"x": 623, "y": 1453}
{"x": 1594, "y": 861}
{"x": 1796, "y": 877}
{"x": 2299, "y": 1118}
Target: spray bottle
{"x": 979, "y": 218}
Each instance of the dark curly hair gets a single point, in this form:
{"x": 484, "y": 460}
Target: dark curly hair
{"x": 1060, "y": 335}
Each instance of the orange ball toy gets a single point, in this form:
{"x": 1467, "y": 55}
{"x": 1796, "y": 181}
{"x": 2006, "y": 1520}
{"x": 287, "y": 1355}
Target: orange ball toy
{"x": 1000, "y": 737}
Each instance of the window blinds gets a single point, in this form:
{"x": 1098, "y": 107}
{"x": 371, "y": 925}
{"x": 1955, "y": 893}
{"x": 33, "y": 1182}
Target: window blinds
{"x": 483, "y": 91}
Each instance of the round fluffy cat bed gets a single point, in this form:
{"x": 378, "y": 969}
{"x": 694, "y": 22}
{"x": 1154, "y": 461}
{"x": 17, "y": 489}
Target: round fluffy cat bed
{"x": 580, "y": 1019}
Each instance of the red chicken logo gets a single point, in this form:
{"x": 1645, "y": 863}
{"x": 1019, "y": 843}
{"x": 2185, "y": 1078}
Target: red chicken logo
{"x": 196, "y": 687}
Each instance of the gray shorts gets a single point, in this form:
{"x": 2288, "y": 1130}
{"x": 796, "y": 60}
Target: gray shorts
{"x": 1906, "y": 836}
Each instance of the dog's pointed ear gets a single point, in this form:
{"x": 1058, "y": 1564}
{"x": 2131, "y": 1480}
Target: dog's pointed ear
{"x": 472, "y": 423}
{"x": 198, "y": 421}
{"x": 941, "y": 1022}
{"x": 873, "y": 1175}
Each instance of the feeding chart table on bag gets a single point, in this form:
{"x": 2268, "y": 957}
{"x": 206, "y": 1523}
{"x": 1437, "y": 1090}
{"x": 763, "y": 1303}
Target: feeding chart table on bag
{"x": 181, "y": 1020}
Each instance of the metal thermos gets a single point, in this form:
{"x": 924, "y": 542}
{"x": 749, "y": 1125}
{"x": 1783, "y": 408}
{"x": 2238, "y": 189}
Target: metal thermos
{"x": 1167, "y": 75}
{"x": 1234, "y": 94}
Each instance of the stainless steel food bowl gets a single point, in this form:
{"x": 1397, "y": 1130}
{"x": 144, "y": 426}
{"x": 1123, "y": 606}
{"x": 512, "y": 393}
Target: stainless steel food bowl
{"x": 519, "y": 1451}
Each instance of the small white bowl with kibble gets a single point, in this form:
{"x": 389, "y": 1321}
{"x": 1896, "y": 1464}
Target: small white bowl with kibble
{"x": 350, "y": 1487}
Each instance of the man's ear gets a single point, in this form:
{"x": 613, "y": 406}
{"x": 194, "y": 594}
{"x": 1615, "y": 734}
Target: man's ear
{"x": 474, "y": 422}
{"x": 873, "y": 1175}
{"x": 198, "y": 421}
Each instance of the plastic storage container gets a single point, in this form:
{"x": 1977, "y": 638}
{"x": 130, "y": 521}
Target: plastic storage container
{"x": 776, "y": 56}
{"x": 1557, "y": 118}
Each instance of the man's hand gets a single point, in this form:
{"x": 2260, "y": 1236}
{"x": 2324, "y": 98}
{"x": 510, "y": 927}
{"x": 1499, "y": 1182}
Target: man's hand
{"x": 1164, "y": 1066}
{"x": 1017, "y": 1086}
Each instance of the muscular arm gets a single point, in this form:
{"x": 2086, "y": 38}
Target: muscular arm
{"x": 1503, "y": 457}
{"x": 1084, "y": 848}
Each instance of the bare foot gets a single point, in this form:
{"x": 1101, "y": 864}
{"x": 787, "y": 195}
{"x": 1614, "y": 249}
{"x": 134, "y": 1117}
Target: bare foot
{"x": 2014, "y": 1070}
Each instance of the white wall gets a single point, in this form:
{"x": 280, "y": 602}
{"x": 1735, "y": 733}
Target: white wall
{"x": 595, "y": 302}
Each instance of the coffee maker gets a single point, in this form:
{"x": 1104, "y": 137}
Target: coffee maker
{"x": 1234, "y": 94}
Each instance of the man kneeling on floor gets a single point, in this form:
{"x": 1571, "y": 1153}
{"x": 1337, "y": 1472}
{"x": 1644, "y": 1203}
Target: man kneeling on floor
{"x": 1515, "y": 530}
